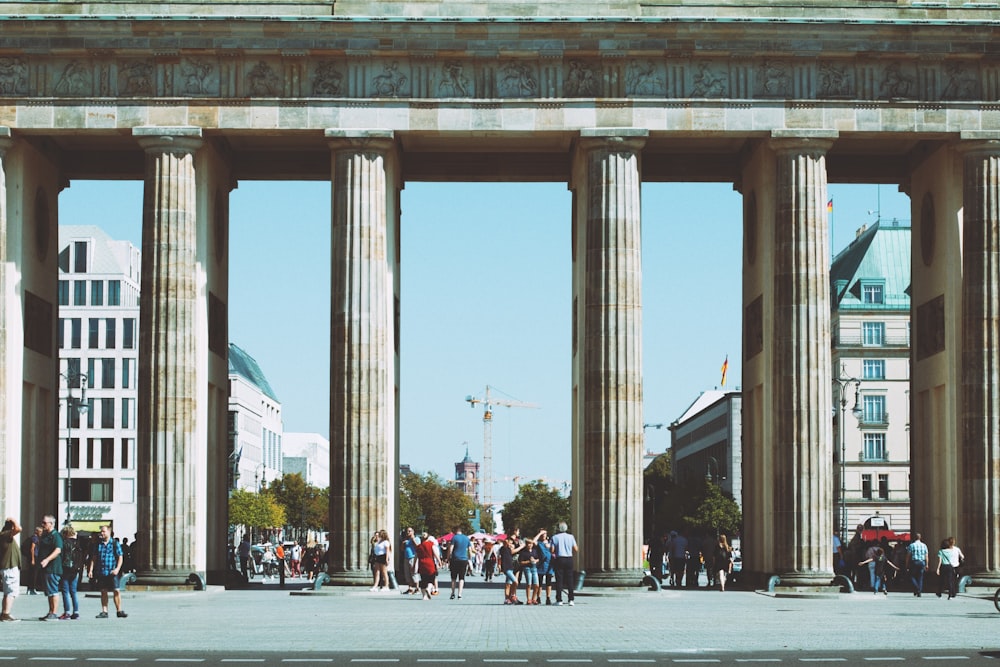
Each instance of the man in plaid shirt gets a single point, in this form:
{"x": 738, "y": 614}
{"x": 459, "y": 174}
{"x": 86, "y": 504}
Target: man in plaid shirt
{"x": 107, "y": 556}
{"x": 916, "y": 563}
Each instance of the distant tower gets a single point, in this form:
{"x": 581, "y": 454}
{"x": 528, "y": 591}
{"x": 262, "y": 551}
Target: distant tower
{"x": 467, "y": 476}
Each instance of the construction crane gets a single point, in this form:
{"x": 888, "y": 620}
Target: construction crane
{"x": 488, "y": 402}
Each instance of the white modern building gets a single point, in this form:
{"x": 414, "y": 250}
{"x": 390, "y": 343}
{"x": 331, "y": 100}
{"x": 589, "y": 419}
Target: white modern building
{"x": 706, "y": 441}
{"x": 309, "y": 455}
{"x": 870, "y": 325}
{"x": 255, "y": 426}
{"x": 98, "y": 295}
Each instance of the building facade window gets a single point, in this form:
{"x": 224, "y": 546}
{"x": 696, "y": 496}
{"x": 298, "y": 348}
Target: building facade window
{"x": 114, "y": 292}
{"x": 126, "y": 448}
{"x": 96, "y": 292}
{"x": 128, "y": 333}
{"x": 63, "y": 292}
{"x": 79, "y": 292}
{"x": 126, "y": 412}
{"x": 92, "y": 491}
{"x": 107, "y": 452}
{"x": 90, "y": 452}
{"x": 874, "y": 409}
{"x": 74, "y": 453}
{"x": 110, "y": 336}
{"x": 873, "y": 369}
{"x": 874, "y": 447}
{"x": 107, "y": 373}
{"x": 126, "y": 373}
{"x": 80, "y": 257}
{"x": 60, "y": 333}
{"x": 93, "y": 333}
{"x": 883, "y": 487}
{"x": 75, "y": 333}
{"x": 866, "y": 487}
{"x": 872, "y": 293}
{"x": 873, "y": 333}
{"x": 107, "y": 413}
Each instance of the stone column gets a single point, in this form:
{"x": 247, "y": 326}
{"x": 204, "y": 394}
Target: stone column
{"x": 979, "y": 536}
{"x": 10, "y": 462}
{"x": 361, "y": 350}
{"x": 803, "y": 444}
{"x": 168, "y": 364}
{"x": 607, "y": 179}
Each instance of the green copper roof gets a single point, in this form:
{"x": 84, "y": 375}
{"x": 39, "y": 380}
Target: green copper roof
{"x": 242, "y": 364}
{"x": 879, "y": 255}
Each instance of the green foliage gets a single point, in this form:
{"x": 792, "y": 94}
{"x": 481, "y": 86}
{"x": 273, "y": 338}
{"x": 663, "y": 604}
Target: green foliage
{"x": 715, "y": 511}
{"x": 487, "y": 523}
{"x": 255, "y": 510}
{"x": 696, "y": 504}
{"x": 535, "y": 506}
{"x": 305, "y": 506}
{"x": 428, "y": 503}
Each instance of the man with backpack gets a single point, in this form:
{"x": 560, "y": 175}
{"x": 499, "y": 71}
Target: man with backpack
{"x": 107, "y": 557}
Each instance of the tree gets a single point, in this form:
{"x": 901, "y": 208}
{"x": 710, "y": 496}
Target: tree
{"x": 487, "y": 524}
{"x": 427, "y": 502}
{"x": 658, "y": 483}
{"x": 255, "y": 510}
{"x": 715, "y": 511}
{"x": 536, "y": 506}
{"x": 306, "y": 506}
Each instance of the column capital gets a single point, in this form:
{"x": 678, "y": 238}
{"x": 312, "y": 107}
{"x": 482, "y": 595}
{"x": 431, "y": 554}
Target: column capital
{"x": 803, "y": 141}
{"x": 374, "y": 139}
{"x": 155, "y": 139}
{"x": 629, "y": 138}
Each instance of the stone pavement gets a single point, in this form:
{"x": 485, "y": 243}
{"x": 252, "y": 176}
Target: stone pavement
{"x": 602, "y": 620}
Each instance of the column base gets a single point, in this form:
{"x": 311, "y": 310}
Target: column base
{"x": 624, "y": 578}
{"x": 351, "y": 578}
{"x": 806, "y": 585}
{"x": 166, "y": 580}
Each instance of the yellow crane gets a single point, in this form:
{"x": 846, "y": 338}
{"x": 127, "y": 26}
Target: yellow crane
{"x": 488, "y": 402}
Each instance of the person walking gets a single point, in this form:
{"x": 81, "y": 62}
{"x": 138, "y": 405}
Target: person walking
{"x": 949, "y": 558}
{"x": 244, "y": 551}
{"x": 381, "y": 552}
{"x": 546, "y": 570}
{"x": 722, "y": 561}
{"x": 107, "y": 557}
{"x": 410, "y": 556}
{"x": 677, "y": 552}
{"x": 10, "y": 567}
{"x": 50, "y": 546}
{"x": 916, "y": 564}
{"x": 458, "y": 560}
{"x": 564, "y": 548}
{"x": 427, "y": 564}
{"x": 881, "y": 567}
{"x": 72, "y": 563}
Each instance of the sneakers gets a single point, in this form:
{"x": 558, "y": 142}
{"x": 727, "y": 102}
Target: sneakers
{"x": 48, "y": 617}
{"x": 64, "y": 617}
{"x": 74, "y": 616}
{"x": 122, "y": 614}
{"x": 103, "y": 614}
{"x": 373, "y": 589}
{"x": 570, "y": 603}
{"x": 9, "y": 619}
{"x": 548, "y": 601}
{"x": 559, "y": 604}
{"x": 452, "y": 597}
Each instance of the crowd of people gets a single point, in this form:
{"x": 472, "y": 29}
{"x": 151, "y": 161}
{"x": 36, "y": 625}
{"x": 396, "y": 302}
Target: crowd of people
{"x": 53, "y": 562}
{"x": 539, "y": 563}
{"x": 680, "y": 556}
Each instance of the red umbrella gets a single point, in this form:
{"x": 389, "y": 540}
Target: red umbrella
{"x": 446, "y": 537}
{"x": 499, "y": 538}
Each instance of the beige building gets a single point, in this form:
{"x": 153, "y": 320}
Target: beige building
{"x": 870, "y": 322}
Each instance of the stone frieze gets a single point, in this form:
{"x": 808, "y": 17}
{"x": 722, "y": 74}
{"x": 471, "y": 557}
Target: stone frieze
{"x": 232, "y": 76}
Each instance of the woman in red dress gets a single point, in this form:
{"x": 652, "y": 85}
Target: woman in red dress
{"x": 427, "y": 564}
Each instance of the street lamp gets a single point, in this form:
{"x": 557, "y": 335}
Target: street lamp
{"x": 843, "y": 382}
{"x": 717, "y": 478}
{"x": 74, "y": 406}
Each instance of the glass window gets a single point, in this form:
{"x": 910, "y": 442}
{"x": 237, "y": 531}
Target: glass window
{"x": 875, "y": 447}
{"x": 79, "y": 292}
{"x": 91, "y": 375}
{"x": 126, "y": 413}
{"x": 873, "y": 333}
{"x": 74, "y": 453}
{"x": 883, "y": 487}
{"x": 126, "y": 373}
{"x": 109, "y": 339}
{"x": 80, "y": 257}
{"x": 96, "y": 292}
{"x": 107, "y": 373}
{"x": 866, "y": 487}
{"x": 128, "y": 333}
{"x": 60, "y": 335}
{"x": 872, "y": 293}
{"x": 107, "y": 452}
{"x": 874, "y": 369}
{"x": 126, "y": 445}
{"x": 92, "y": 491}
{"x": 73, "y": 368}
{"x": 107, "y": 413}
{"x": 75, "y": 332}
{"x": 90, "y": 452}
{"x": 94, "y": 329}
{"x": 874, "y": 409}
{"x": 90, "y": 413}
{"x": 114, "y": 292}
{"x": 63, "y": 292}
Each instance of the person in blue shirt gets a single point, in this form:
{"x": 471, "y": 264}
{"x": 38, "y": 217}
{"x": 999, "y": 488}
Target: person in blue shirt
{"x": 458, "y": 560}
{"x": 546, "y": 571}
{"x": 410, "y": 542}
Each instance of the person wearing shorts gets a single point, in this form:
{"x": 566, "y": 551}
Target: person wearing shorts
{"x": 50, "y": 547}
{"x": 107, "y": 559}
{"x": 10, "y": 566}
{"x": 458, "y": 560}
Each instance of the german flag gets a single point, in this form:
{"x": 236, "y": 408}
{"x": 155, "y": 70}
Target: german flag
{"x": 725, "y": 369}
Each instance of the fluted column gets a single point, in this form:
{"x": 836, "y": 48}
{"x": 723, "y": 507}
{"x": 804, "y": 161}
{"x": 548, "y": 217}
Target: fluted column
{"x": 608, "y": 174}
{"x": 167, "y": 357}
{"x": 361, "y": 349}
{"x": 803, "y": 445}
{"x": 10, "y": 468}
{"x": 979, "y": 536}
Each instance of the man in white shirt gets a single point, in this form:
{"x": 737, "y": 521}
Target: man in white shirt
{"x": 563, "y": 549}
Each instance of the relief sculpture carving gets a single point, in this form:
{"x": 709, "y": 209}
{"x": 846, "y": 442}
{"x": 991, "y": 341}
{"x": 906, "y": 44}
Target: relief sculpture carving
{"x": 135, "y": 78}
{"x": 453, "y": 82}
{"x": 962, "y": 84}
{"x": 709, "y": 82}
{"x": 327, "y": 80}
{"x": 582, "y": 80}
{"x": 775, "y": 80}
{"x": 196, "y": 73}
{"x": 389, "y": 83}
{"x": 896, "y": 84}
{"x": 76, "y": 79}
{"x": 641, "y": 79}
{"x": 834, "y": 81}
{"x": 13, "y": 76}
{"x": 261, "y": 80}
{"x": 516, "y": 81}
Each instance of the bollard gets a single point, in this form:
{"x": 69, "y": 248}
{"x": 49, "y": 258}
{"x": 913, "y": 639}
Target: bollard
{"x": 652, "y": 582}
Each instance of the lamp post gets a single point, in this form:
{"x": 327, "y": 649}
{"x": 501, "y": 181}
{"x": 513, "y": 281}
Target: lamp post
{"x": 259, "y": 474}
{"x": 843, "y": 382}
{"x": 74, "y": 407}
{"x": 717, "y": 478}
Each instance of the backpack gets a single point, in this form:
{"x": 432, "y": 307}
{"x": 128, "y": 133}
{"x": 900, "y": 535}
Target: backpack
{"x": 72, "y": 554}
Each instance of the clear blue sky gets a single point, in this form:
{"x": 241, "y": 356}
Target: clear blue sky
{"x": 485, "y": 300}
